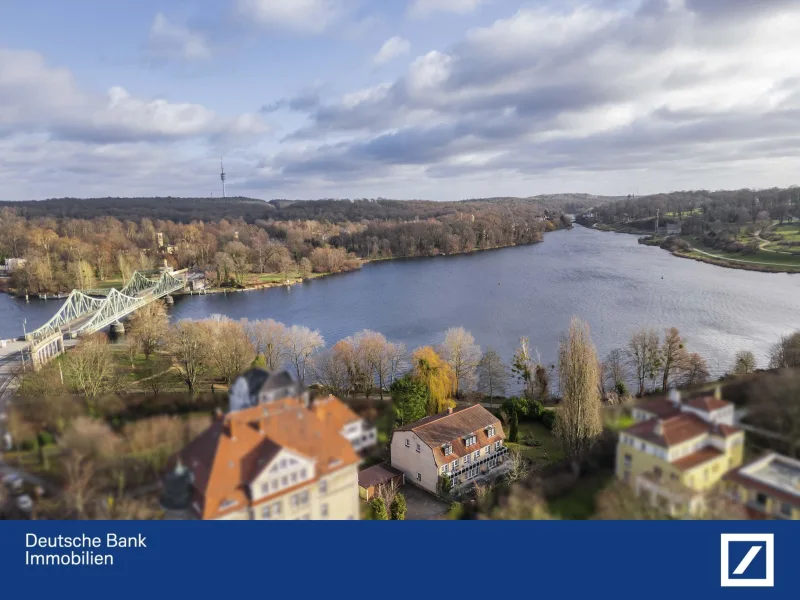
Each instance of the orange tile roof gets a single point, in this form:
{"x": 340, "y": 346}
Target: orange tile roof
{"x": 697, "y": 458}
{"x": 334, "y": 411}
{"x": 677, "y": 429}
{"x": 234, "y": 450}
{"x": 660, "y": 407}
{"x": 437, "y": 430}
{"x": 708, "y": 403}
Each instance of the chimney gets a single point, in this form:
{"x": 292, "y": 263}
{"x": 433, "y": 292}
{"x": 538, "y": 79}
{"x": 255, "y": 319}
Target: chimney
{"x": 449, "y": 410}
{"x": 718, "y": 392}
{"x": 218, "y": 414}
{"x": 233, "y": 427}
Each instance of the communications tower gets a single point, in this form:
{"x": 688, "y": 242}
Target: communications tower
{"x": 222, "y": 176}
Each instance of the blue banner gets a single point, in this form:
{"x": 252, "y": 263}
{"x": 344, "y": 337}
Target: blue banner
{"x": 679, "y": 560}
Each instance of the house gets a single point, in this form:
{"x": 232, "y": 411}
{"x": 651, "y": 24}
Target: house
{"x": 271, "y": 461}
{"x": 259, "y": 386}
{"x": 370, "y": 478}
{"x": 678, "y": 450}
{"x": 358, "y": 431}
{"x": 460, "y": 444}
{"x": 13, "y": 264}
{"x": 768, "y": 487}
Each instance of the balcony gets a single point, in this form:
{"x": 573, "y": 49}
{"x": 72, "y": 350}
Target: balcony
{"x": 463, "y": 470}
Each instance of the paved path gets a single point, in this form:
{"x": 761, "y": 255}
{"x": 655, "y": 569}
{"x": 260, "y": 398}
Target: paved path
{"x": 746, "y": 262}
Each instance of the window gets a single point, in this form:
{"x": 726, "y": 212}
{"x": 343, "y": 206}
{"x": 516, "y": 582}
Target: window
{"x": 761, "y": 499}
{"x": 264, "y": 488}
{"x": 487, "y": 449}
{"x": 284, "y": 480}
{"x": 466, "y": 459}
{"x": 303, "y": 473}
{"x": 454, "y": 465}
{"x": 444, "y": 468}
{"x": 786, "y": 509}
{"x": 228, "y": 504}
{"x": 497, "y": 445}
{"x": 408, "y": 443}
{"x": 470, "y": 439}
{"x": 323, "y": 510}
{"x": 266, "y": 512}
{"x": 304, "y": 497}
{"x": 419, "y": 476}
{"x": 274, "y": 484}
{"x": 643, "y": 446}
{"x": 477, "y": 455}
{"x": 418, "y": 448}
{"x": 673, "y": 477}
{"x": 294, "y": 477}
{"x": 283, "y": 463}
{"x": 323, "y": 486}
{"x": 490, "y": 431}
{"x": 276, "y": 509}
{"x": 657, "y": 472}
{"x": 448, "y": 449}
{"x": 628, "y": 460}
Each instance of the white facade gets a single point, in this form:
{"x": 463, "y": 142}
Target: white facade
{"x": 415, "y": 459}
{"x": 360, "y": 435}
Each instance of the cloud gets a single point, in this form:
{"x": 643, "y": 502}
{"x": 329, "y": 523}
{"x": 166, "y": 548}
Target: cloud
{"x": 38, "y": 98}
{"x": 391, "y": 49}
{"x": 307, "y": 16}
{"x": 423, "y": 8}
{"x": 169, "y": 40}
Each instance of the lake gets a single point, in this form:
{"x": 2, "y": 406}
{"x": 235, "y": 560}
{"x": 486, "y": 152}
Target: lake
{"x": 607, "y": 279}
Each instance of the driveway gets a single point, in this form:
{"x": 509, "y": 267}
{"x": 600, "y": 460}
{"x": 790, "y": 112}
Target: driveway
{"x": 422, "y": 506}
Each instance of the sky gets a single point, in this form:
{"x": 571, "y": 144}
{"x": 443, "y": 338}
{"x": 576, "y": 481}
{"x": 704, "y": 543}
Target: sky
{"x": 433, "y": 99}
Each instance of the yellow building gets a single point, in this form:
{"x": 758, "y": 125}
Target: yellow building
{"x": 677, "y": 451}
{"x": 276, "y": 460}
{"x": 769, "y": 487}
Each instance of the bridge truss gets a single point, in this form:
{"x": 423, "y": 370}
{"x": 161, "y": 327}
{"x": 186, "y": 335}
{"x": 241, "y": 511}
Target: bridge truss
{"x": 83, "y": 314}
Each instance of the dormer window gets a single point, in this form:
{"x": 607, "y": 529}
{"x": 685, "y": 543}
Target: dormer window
{"x": 470, "y": 439}
{"x": 447, "y": 449}
{"x": 490, "y": 431}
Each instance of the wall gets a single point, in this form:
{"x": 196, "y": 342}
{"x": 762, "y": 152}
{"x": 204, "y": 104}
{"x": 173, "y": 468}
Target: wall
{"x": 411, "y": 462}
{"x": 748, "y": 496}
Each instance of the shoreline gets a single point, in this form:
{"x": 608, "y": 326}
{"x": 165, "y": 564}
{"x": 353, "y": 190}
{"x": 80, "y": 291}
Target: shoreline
{"x": 296, "y": 280}
{"x": 699, "y": 255}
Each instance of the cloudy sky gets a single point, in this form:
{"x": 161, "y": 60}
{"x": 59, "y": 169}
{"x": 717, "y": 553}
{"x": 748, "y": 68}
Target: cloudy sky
{"x": 439, "y": 99}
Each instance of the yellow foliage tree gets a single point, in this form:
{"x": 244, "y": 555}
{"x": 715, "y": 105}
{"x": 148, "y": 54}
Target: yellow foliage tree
{"x": 437, "y": 376}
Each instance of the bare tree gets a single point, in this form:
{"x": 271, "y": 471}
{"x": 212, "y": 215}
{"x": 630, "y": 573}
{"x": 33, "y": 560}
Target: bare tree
{"x": 397, "y": 356}
{"x": 91, "y": 438}
{"x": 462, "y": 354}
{"x": 270, "y": 339}
{"x": 615, "y": 371}
{"x": 580, "y": 419}
{"x": 149, "y": 326}
{"x": 674, "y": 357}
{"x": 191, "y": 344}
{"x": 331, "y": 369}
{"x": 518, "y": 468}
{"x": 90, "y": 367}
{"x": 80, "y": 482}
{"x": 696, "y": 370}
{"x": 232, "y": 350}
{"x": 492, "y": 374}
{"x": 744, "y": 363}
{"x": 386, "y": 492}
{"x": 786, "y": 352}
{"x": 301, "y": 344}
{"x": 644, "y": 355}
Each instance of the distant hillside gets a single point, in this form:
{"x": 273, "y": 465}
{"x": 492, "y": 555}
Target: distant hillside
{"x": 185, "y": 210}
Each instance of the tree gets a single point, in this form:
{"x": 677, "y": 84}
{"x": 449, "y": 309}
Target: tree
{"x": 237, "y": 252}
{"x": 398, "y": 508}
{"x": 409, "y": 400}
{"x": 580, "y": 418}
{"x": 437, "y": 376}
{"x": 191, "y": 343}
{"x": 270, "y": 339}
{"x": 80, "y": 482}
{"x": 696, "y": 370}
{"x": 386, "y": 492}
{"x": 786, "y": 352}
{"x": 301, "y": 344}
{"x": 492, "y": 374}
{"x": 643, "y": 352}
{"x": 518, "y": 467}
{"x": 379, "y": 510}
{"x": 132, "y": 346}
{"x": 462, "y": 354}
{"x": 614, "y": 368}
{"x": 331, "y": 369}
{"x": 90, "y": 367}
{"x": 375, "y": 354}
{"x": 149, "y": 325}
{"x": 522, "y": 366}
{"x": 744, "y": 363}
{"x": 513, "y": 430}
{"x": 673, "y": 356}
{"x": 232, "y": 350}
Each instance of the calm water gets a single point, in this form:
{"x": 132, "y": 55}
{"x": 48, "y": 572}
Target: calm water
{"x": 607, "y": 279}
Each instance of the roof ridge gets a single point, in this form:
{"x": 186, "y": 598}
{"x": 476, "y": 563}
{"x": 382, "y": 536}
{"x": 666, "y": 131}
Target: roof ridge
{"x": 445, "y": 415}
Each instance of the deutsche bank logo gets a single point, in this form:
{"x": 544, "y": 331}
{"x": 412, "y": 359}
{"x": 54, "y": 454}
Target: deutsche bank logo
{"x": 748, "y": 559}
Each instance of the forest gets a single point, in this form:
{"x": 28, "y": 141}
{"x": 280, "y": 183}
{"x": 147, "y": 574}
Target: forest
{"x": 262, "y": 243}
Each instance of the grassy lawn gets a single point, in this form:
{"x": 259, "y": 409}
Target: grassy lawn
{"x": 617, "y": 420}
{"x": 548, "y": 449}
{"x": 578, "y": 503}
{"x": 760, "y": 256}
{"x": 115, "y": 282}
{"x": 260, "y": 278}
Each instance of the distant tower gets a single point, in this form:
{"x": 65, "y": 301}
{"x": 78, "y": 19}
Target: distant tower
{"x": 222, "y": 176}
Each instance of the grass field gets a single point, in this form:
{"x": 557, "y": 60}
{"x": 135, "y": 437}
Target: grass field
{"x": 537, "y": 443}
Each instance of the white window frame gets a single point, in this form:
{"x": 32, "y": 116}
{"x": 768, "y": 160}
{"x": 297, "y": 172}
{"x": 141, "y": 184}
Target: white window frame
{"x": 419, "y": 447}
{"x": 408, "y": 443}
{"x": 419, "y": 476}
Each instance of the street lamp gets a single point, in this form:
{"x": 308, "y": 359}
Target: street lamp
{"x": 24, "y": 333}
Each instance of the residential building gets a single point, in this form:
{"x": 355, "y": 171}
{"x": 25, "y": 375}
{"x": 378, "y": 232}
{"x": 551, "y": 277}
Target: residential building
{"x": 461, "y": 444}
{"x": 768, "y": 487}
{"x": 276, "y": 460}
{"x": 12, "y": 264}
{"x": 676, "y": 451}
{"x": 259, "y": 386}
{"x": 361, "y": 434}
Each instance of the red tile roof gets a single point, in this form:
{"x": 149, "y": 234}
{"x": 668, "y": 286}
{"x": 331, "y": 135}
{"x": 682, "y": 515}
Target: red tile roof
{"x": 660, "y": 407}
{"x": 697, "y": 458}
{"x": 708, "y": 403}
{"x": 677, "y": 429}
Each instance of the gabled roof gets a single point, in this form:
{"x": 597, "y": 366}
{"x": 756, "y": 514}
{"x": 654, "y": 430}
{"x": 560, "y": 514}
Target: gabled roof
{"x": 234, "y": 450}
{"x": 334, "y": 411}
{"x": 259, "y": 379}
{"x": 437, "y": 430}
{"x": 694, "y": 459}
{"x": 660, "y": 407}
{"x": 677, "y": 429}
{"x": 708, "y": 403}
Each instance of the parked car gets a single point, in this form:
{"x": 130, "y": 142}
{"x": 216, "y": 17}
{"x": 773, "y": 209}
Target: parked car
{"x": 14, "y": 483}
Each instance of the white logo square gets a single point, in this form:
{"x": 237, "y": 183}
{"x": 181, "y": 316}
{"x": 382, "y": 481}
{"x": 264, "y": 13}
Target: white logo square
{"x": 768, "y": 541}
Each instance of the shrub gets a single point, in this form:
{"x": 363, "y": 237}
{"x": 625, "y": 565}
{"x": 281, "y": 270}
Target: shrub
{"x": 379, "y": 509}
{"x": 445, "y": 484}
{"x": 516, "y": 405}
{"x": 549, "y": 418}
{"x": 513, "y": 434}
{"x": 621, "y": 388}
{"x": 456, "y": 510}
{"x": 398, "y": 508}
{"x": 46, "y": 438}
